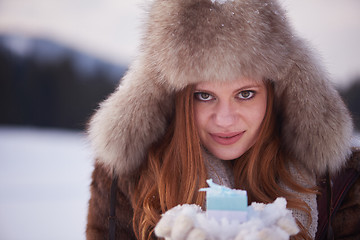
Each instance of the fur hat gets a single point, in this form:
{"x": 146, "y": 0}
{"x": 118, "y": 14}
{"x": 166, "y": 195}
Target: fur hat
{"x": 188, "y": 41}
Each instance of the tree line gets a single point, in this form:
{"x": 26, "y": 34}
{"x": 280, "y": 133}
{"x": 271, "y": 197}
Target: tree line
{"x": 49, "y": 94}
{"x": 351, "y": 96}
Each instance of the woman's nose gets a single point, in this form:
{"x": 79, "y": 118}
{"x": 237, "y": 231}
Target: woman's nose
{"x": 225, "y": 114}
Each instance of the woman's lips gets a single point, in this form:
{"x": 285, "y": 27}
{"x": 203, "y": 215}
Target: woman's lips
{"x": 226, "y": 138}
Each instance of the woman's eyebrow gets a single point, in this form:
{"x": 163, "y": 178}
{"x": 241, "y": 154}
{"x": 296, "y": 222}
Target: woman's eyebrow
{"x": 200, "y": 90}
{"x": 248, "y": 87}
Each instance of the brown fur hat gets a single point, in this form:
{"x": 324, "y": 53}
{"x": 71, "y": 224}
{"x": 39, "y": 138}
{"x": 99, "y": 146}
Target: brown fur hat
{"x": 188, "y": 41}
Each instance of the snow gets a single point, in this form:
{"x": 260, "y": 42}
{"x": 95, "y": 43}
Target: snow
{"x": 221, "y": 1}
{"x": 44, "y": 183}
{"x": 355, "y": 140}
{"x": 265, "y": 221}
{"x": 216, "y": 190}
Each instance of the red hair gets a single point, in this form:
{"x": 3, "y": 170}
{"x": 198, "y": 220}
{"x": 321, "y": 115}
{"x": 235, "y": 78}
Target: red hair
{"x": 175, "y": 171}
{"x": 265, "y": 166}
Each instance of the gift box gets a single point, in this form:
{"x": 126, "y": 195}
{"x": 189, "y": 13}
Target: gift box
{"x": 223, "y": 202}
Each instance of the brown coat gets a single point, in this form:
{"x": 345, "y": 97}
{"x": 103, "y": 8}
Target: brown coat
{"x": 346, "y": 200}
{"x": 345, "y": 222}
{"x": 99, "y": 207}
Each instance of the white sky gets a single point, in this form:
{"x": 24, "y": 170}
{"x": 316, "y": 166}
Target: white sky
{"x": 111, "y": 28}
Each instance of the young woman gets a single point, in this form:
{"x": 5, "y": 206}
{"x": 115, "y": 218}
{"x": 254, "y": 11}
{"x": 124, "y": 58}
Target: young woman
{"x": 222, "y": 90}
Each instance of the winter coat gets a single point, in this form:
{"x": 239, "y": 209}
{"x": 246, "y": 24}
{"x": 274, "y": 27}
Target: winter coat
{"x": 188, "y": 41}
{"x": 345, "y": 208}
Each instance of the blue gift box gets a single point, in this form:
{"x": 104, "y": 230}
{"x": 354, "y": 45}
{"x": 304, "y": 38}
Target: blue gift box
{"x": 224, "y": 202}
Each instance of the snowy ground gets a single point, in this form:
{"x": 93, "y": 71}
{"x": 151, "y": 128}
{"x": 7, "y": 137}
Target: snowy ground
{"x": 356, "y": 139}
{"x": 44, "y": 184}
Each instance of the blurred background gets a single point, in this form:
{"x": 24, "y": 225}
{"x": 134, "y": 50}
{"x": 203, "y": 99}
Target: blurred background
{"x": 60, "y": 58}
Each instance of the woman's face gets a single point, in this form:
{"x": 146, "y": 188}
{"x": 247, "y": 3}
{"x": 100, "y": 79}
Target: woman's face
{"x": 228, "y": 115}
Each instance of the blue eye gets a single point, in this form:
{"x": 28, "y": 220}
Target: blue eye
{"x": 247, "y": 94}
{"x": 203, "y": 96}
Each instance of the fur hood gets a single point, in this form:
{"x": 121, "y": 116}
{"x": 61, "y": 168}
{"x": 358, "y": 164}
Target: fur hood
{"x": 188, "y": 41}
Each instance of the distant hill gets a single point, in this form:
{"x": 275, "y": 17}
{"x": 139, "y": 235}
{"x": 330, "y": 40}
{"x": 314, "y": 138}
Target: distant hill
{"x": 45, "y": 51}
{"x": 43, "y": 83}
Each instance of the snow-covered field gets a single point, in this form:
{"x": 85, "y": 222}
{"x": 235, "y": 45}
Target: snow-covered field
{"x": 356, "y": 139}
{"x": 44, "y": 184}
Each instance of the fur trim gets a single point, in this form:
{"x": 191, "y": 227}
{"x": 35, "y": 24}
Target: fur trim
{"x": 188, "y": 41}
{"x": 132, "y": 118}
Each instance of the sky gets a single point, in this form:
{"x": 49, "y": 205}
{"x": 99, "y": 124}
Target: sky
{"x": 110, "y": 29}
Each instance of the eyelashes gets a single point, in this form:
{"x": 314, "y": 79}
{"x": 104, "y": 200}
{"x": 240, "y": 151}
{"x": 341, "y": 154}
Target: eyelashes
{"x": 242, "y": 95}
{"x": 203, "y": 96}
{"x": 246, "y": 95}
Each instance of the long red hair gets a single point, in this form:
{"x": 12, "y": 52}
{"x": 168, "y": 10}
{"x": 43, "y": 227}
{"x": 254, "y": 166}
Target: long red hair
{"x": 175, "y": 171}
